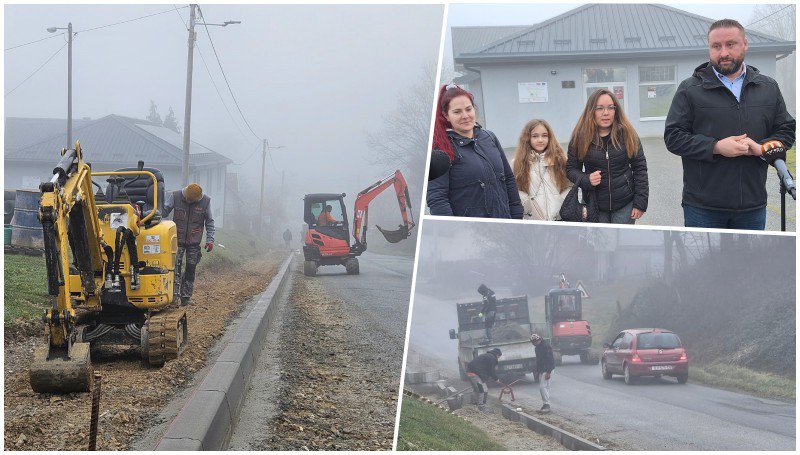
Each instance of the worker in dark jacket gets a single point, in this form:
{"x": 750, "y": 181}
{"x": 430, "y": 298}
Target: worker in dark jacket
{"x": 605, "y": 155}
{"x": 480, "y": 181}
{"x": 192, "y": 214}
{"x": 480, "y": 370}
{"x": 488, "y": 310}
{"x": 545, "y": 364}
{"x": 717, "y": 122}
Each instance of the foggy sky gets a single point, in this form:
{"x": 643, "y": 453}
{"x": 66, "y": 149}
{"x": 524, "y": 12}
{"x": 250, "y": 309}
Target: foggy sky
{"x": 311, "y": 78}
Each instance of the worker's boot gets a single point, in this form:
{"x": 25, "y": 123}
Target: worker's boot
{"x": 545, "y": 409}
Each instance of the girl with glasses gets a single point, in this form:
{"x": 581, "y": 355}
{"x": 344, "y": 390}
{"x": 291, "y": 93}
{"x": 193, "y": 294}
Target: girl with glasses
{"x": 605, "y": 155}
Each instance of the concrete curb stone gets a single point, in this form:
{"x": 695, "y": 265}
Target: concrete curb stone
{"x": 206, "y": 420}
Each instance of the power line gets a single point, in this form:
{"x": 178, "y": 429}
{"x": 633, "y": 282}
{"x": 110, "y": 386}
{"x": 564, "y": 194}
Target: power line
{"x": 226, "y": 81}
{"x": 222, "y": 100}
{"x": 248, "y": 158}
{"x": 130, "y": 20}
{"x": 769, "y": 15}
{"x": 37, "y": 69}
{"x": 32, "y": 42}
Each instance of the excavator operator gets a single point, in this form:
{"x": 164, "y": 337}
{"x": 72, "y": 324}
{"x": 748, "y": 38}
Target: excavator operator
{"x": 325, "y": 218}
{"x": 192, "y": 213}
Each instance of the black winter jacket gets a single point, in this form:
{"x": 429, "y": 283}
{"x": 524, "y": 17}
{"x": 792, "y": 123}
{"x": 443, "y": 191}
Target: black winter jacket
{"x": 627, "y": 179}
{"x": 483, "y": 366}
{"x": 544, "y": 358}
{"x": 480, "y": 182}
{"x": 704, "y": 111}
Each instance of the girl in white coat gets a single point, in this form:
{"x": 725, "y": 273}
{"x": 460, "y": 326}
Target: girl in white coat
{"x": 540, "y": 168}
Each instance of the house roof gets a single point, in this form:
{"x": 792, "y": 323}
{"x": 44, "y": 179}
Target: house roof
{"x": 467, "y": 39}
{"x": 21, "y": 131}
{"x": 597, "y": 30}
{"x": 112, "y": 139}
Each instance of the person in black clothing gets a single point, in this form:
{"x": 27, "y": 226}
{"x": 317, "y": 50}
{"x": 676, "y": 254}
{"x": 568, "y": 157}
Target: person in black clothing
{"x": 545, "y": 364}
{"x": 479, "y": 371}
{"x": 287, "y": 237}
{"x": 605, "y": 156}
{"x": 489, "y": 310}
{"x": 717, "y": 123}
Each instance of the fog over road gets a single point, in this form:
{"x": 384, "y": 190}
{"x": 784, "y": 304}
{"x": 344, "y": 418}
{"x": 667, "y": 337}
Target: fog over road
{"x": 654, "y": 414}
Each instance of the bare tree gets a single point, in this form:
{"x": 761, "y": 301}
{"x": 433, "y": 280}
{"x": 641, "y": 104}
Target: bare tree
{"x": 780, "y": 21}
{"x": 402, "y": 143}
{"x": 171, "y": 122}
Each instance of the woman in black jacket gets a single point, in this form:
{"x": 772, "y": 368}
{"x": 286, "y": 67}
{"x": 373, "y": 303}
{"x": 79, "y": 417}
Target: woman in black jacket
{"x": 480, "y": 182}
{"x": 605, "y": 155}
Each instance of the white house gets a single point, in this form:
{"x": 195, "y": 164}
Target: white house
{"x": 32, "y": 147}
{"x": 640, "y": 52}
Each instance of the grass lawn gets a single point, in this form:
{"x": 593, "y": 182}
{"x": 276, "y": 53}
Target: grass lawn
{"x": 738, "y": 379}
{"x": 25, "y": 291}
{"x": 791, "y": 160}
{"x": 425, "y": 427}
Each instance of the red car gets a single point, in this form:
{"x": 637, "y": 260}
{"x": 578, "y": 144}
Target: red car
{"x": 645, "y": 352}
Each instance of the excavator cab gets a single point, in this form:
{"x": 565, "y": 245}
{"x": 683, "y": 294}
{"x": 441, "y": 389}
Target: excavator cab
{"x": 563, "y": 305}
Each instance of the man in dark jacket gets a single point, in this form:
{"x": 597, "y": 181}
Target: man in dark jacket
{"x": 480, "y": 370}
{"x": 488, "y": 310}
{"x": 545, "y": 364}
{"x": 717, "y": 122}
{"x": 192, "y": 214}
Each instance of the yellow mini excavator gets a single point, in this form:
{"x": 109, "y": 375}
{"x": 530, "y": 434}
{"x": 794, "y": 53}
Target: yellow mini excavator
{"x": 110, "y": 269}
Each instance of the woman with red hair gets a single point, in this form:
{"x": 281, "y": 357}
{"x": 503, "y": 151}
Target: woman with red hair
{"x": 480, "y": 182}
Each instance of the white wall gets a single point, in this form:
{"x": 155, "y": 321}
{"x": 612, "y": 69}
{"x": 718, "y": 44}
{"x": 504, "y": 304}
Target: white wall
{"x": 505, "y": 115}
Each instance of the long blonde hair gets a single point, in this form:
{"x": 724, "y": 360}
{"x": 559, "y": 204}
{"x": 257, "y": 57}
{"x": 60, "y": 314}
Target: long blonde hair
{"x": 587, "y": 133}
{"x": 554, "y": 153}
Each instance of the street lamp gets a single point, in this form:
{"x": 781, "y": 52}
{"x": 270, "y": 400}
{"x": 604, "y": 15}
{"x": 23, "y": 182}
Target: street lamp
{"x": 187, "y": 117}
{"x": 68, "y": 28}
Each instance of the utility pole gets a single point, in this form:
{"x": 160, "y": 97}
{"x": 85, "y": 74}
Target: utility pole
{"x": 69, "y": 87}
{"x": 266, "y": 147}
{"x": 187, "y": 115}
{"x": 69, "y": 80}
{"x": 261, "y": 199}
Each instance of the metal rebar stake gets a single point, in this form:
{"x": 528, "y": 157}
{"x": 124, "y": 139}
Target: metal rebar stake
{"x": 95, "y": 411}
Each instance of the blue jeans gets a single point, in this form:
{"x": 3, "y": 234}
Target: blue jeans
{"x": 722, "y": 219}
{"x": 619, "y": 216}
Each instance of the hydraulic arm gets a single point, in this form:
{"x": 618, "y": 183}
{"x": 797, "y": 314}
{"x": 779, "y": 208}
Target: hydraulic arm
{"x": 361, "y": 213}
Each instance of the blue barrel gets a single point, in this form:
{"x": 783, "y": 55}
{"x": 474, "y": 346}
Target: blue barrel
{"x": 25, "y": 226}
{"x": 7, "y": 234}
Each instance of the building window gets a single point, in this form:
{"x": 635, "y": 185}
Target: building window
{"x": 656, "y": 88}
{"x": 612, "y": 79}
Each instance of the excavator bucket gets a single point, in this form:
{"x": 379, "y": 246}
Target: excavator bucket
{"x": 394, "y": 236}
{"x": 54, "y": 371}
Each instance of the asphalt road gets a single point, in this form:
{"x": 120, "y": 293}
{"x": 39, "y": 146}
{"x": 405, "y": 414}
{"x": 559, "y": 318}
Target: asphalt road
{"x": 652, "y": 415}
{"x": 360, "y": 337}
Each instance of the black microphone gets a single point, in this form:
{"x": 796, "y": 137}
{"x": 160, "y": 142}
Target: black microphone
{"x": 440, "y": 164}
{"x": 774, "y": 153}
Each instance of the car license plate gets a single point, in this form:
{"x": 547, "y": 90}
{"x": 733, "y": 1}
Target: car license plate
{"x": 513, "y": 366}
{"x": 660, "y": 367}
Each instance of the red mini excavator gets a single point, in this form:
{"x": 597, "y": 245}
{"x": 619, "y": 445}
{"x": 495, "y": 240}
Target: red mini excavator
{"x": 327, "y": 238}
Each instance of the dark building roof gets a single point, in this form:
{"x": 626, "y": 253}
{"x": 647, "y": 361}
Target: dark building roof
{"x": 21, "y": 131}
{"x": 468, "y": 39}
{"x": 598, "y": 30}
{"x": 112, "y": 139}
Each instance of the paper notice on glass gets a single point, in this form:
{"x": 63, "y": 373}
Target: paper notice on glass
{"x": 532, "y": 92}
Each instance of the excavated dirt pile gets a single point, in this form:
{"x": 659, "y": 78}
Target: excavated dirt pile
{"x": 132, "y": 393}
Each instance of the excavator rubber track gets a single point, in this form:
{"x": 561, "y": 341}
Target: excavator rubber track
{"x": 166, "y": 336}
